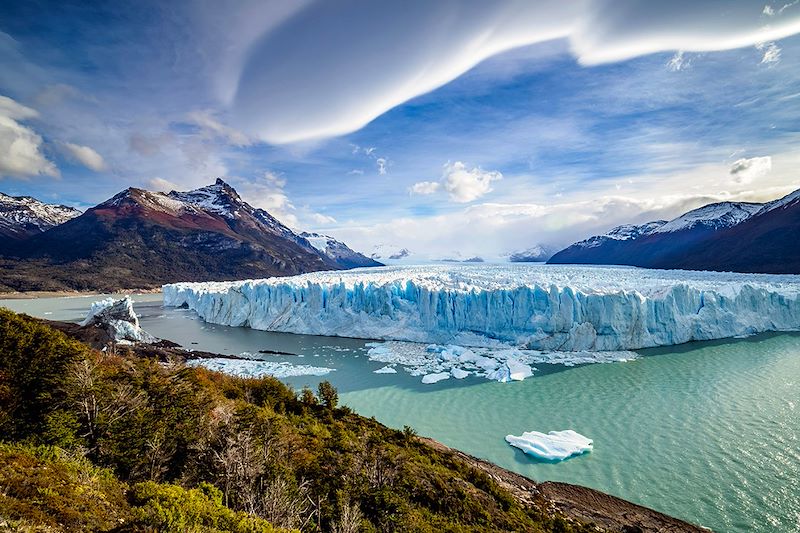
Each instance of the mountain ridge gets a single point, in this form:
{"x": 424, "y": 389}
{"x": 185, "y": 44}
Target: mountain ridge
{"x": 142, "y": 239}
{"x": 724, "y": 236}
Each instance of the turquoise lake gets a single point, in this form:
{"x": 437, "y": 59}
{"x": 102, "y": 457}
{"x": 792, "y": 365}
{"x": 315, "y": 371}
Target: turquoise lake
{"x": 708, "y": 432}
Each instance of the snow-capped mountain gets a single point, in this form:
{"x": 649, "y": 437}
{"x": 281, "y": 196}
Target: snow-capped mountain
{"x": 390, "y": 253}
{"x": 338, "y": 251}
{"x": 23, "y": 216}
{"x": 713, "y": 216}
{"x": 140, "y": 238}
{"x": 536, "y": 254}
{"x": 735, "y": 236}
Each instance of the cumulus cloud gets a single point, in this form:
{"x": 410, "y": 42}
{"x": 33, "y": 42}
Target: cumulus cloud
{"x": 462, "y": 184}
{"x": 286, "y": 90}
{"x": 748, "y": 170}
{"x": 382, "y": 163}
{"x": 20, "y": 146}
{"x": 267, "y": 192}
{"x": 425, "y": 187}
{"x": 322, "y": 220}
{"x": 84, "y": 155}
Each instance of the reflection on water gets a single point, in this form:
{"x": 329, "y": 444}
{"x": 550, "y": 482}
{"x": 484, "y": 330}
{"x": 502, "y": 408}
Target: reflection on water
{"x": 708, "y": 432}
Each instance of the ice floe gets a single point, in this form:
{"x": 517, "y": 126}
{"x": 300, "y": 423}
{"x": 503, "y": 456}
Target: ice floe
{"x": 257, "y": 369}
{"x": 502, "y": 364}
{"x": 552, "y": 446}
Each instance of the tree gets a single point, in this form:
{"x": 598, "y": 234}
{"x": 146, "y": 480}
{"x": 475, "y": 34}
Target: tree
{"x": 307, "y": 397}
{"x": 328, "y": 394}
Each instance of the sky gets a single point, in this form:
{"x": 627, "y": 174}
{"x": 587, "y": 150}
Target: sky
{"x": 451, "y": 128}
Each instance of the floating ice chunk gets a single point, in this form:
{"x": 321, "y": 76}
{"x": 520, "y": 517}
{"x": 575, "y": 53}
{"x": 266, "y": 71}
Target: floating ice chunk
{"x": 552, "y": 446}
{"x": 257, "y": 369}
{"x": 518, "y": 371}
{"x": 118, "y": 319}
{"x": 458, "y": 373}
{"x": 435, "y": 378}
{"x": 386, "y": 370}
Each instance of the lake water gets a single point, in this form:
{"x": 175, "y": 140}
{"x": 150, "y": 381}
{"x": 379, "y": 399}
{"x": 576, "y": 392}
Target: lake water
{"x": 708, "y": 432}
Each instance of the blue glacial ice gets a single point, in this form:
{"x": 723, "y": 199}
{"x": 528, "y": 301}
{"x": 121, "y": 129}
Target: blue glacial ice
{"x": 552, "y": 446}
{"x": 548, "y": 308}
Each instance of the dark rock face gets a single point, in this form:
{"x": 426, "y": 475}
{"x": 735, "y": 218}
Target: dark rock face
{"x": 738, "y": 237}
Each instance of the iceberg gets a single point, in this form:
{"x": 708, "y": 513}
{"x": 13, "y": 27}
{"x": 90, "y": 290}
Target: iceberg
{"x": 435, "y": 378}
{"x": 534, "y": 307}
{"x": 552, "y": 446}
{"x": 118, "y": 318}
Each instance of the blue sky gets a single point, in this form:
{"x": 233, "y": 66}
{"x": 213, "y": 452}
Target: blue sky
{"x": 454, "y": 128}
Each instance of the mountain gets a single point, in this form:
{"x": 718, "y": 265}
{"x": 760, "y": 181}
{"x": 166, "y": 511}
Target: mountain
{"x": 23, "y": 216}
{"x": 537, "y": 254}
{"x": 390, "y": 252}
{"x": 140, "y": 239}
{"x": 725, "y": 236}
{"x": 338, "y": 251}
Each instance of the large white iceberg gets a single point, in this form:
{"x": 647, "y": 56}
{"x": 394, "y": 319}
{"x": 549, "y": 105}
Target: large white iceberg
{"x": 540, "y": 307}
{"x": 256, "y": 369}
{"x": 119, "y": 319}
{"x": 553, "y": 446}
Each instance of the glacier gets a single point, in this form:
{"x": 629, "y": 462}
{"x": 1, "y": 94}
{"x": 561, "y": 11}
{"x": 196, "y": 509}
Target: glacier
{"x": 553, "y": 446}
{"x": 552, "y": 308}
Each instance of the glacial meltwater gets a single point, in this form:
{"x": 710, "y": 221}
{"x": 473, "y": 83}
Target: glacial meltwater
{"x": 708, "y": 432}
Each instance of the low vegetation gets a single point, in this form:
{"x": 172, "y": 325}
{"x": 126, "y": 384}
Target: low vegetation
{"x": 100, "y": 442}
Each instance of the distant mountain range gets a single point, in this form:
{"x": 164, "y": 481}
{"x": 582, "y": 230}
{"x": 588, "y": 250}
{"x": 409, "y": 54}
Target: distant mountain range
{"x": 726, "y": 236}
{"x": 537, "y": 254}
{"x": 23, "y": 216}
{"x": 140, "y": 239}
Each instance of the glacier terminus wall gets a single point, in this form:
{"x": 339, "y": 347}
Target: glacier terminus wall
{"x": 538, "y": 307}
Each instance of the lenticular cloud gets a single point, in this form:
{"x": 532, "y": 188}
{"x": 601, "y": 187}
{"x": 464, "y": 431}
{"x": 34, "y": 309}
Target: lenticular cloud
{"x": 334, "y": 66}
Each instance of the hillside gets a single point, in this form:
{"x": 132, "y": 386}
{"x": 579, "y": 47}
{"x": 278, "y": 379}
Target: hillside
{"x": 120, "y": 442}
{"x": 22, "y": 217}
{"x": 142, "y": 239}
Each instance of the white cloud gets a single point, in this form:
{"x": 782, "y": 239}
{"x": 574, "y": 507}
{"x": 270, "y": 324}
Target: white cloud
{"x": 268, "y": 193}
{"x": 425, "y": 187}
{"x": 84, "y": 155}
{"x": 462, "y": 184}
{"x": 212, "y": 128}
{"x": 162, "y": 185}
{"x": 772, "y": 53}
{"x": 467, "y": 185}
{"x": 748, "y": 170}
{"x": 20, "y": 146}
{"x": 678, "y": 62}
{"x": 286, "y": 91}
{"x": 382, "y": 163}
{"x": 323, "y": 220}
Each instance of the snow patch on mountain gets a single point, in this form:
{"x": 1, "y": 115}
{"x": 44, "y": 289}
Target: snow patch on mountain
{"x": 338, "y": 251}
{"x": 625, "y": 232}
{"x": 712, "y": 216}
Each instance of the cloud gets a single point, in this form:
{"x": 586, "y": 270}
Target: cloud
{"x": 288, "y": 90}
{"x": 462, "y": 184}
{"x": 84, "y": 155}
{"x": 748, "y": 170}
{"x": 162, "y": 185}
{"x": 319, "y": 218}
{"x": 678, "y": 62}
{"x": 212, "y": 128}
{"x": 20, "y": 146}
{"x": 267, "y": 192}
{"x": 382, "y": 163}
{"x": 425, "y": 187}
{"x": 772, "y": 53}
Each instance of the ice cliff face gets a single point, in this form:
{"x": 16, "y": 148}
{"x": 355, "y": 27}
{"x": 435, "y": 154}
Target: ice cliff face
{"x": 570, "y": 308}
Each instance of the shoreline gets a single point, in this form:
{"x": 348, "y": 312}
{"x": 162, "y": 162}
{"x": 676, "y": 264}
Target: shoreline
{"x": 577, "y": 503}
{"x": 34, "y": 295}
